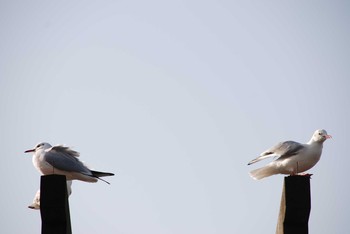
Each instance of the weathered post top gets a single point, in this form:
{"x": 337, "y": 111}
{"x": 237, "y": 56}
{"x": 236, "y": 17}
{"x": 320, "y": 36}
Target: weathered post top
{"x": 54, "y": 207}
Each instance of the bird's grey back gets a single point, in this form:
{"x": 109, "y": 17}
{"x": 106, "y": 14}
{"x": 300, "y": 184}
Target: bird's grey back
{"x": 65, "y": 159}
{"x": 287, "y": 149}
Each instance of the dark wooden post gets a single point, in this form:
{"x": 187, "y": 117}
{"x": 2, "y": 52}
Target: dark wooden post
{"x": 54, "y": 207}
{"x": 295, "y": 206}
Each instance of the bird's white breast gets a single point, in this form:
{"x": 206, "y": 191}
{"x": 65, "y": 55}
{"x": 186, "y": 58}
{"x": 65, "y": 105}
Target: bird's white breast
{"x": 40, "y": 164}
{"x": 301, "y": 162}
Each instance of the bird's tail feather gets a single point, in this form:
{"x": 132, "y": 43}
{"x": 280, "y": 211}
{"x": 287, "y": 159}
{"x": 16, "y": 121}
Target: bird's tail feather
{"x": 102, "y": 180}
{"x": 262, "y": 172}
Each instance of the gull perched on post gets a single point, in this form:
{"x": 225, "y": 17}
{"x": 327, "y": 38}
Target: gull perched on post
{"x": 62, "y": 160}
{"x": 291, "y": 157}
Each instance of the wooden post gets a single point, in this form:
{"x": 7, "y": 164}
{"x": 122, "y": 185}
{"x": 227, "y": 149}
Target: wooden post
{"x": 295, "y": 206}
{"x": 54, "y": 207}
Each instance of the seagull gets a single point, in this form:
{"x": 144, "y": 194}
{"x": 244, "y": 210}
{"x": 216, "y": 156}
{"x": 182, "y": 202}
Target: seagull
{"x": 62, "y": 160}
{"x": 291, "y": 157}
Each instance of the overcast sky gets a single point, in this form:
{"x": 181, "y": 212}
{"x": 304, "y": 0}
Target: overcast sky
{"x": 175, "y": 97}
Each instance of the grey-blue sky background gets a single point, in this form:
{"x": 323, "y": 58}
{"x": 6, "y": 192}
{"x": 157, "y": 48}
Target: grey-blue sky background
{"x": 175, "y": 97}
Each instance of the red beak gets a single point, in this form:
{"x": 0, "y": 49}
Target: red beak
{"x": 328, "y": 136}
{"x": 28, "y": 151}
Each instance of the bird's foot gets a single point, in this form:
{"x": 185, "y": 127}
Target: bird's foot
{"x": 301, "y": 174}
{"x": 306, "y": 174}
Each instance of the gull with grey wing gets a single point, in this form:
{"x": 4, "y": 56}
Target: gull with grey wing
{"x": 291, "y": 157}
{"x": 62, "y": 160}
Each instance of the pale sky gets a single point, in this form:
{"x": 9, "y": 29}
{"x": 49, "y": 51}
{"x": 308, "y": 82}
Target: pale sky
{"x": 174, "y": 97}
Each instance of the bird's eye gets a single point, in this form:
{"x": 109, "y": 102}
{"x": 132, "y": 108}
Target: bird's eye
{"x": 39, "y": 145}
{"x": 320, "y": 133}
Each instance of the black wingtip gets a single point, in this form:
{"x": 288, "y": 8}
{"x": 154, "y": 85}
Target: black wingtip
{"x": 101, "y": 173}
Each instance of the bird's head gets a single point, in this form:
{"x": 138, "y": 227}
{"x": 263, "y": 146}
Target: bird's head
{"x": 40, "y": 146}
{"x": 320, "y": 136}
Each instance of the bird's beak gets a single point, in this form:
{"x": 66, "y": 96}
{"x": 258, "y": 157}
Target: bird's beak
{"x": 328, "y": 136}
{"x": 28, "y": 151}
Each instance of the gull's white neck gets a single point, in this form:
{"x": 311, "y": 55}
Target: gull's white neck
{"x": 38, "y": 159}
{"x": 315, "y": 143}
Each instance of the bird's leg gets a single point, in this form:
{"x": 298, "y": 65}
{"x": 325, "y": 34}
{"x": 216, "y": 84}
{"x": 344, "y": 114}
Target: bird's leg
{"x": 297, "y": 168}
{"x": 295, "y": 171}
{"x": 301, "y": 174}
{"x": 53, "y": 169}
